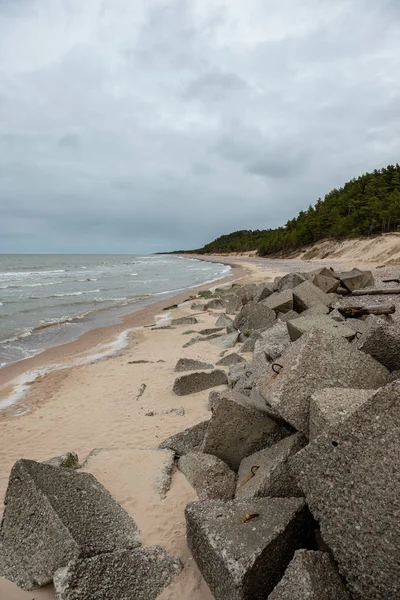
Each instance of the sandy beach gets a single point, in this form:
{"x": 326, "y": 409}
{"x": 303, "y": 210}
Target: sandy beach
{"x": 97, "y": 404}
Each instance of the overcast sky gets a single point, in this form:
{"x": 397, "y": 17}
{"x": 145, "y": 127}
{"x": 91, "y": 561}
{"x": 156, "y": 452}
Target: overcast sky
{"x": 150, "y": 125}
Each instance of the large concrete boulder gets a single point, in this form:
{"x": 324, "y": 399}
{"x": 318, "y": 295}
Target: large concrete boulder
{"x": 122, "y": 575}
{"x": 381, "y": 339}
{"x": 301, "y": 325}
{"x": 310, "y": 576}
{"x": 350, "y": 478}
{"x": 280, "y": 302}
{"x": 243, "y": 559}
{"x": 188, "y": 440}
{"x": 267, "y": 473}
{"x": 327, "y": 284}
{"x": 307, "y": 294}
{"x": 331, "y": 406}
{"x": 230, "y": 359}
{"x": 184, "y": 321}
{"x": 210, "y": 476}
{"x": 356, "y": 279}
{"x": 188, "y": 364}
{"x": 226, "y": 341}
{"x": 55, "y": 515}
{"x": 238, "y": 429}
{"x": 197, "y": 382}
{"x": 317, "y": 360}
{"x": 224, "y": 321}
{"x": 263, "y": 292}
{"x": 255, "y": 315}
{"x": 273, "y": 342}
{"x": 289, "y": 316}
{"x": 250, "y": 341}
{"x": 289, "y": 281}
{"x": 233, "y": 304}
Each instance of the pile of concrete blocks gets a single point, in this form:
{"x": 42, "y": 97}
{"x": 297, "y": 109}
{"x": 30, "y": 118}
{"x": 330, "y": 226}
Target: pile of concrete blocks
{"x": 62, "y": 526}
{"x": 296, "y": 470}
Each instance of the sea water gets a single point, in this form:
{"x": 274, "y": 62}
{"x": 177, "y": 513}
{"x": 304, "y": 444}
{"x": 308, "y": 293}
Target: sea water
{"x": 46, "y": 300}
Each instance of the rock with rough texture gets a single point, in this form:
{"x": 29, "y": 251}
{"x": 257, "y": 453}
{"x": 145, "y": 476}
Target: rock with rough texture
{"x": 210, "y": 476}
{"x": 310, "y": 576}
{"x": 316, "y": 309}
{"x": 381, "y": 339}
{"x": 250, "y": 342}
{"x": 243, "y": 560}
{"x": 237, "y": 429}
{"x": 196, "y": 382}
{"x": 289, "y": 316}
{"x": 264, "y": 291}
{"x": 55, "y": 515}
{"x": 280, "y": 302}
{"x": 188, "y": 440}
{"x": 289, "y": 281}
{"x": 226, "y": 341}
{"x": 232, "y": 304}
{"x": 267, "y": 473}
{"x": 317, "y": 360}
{"x": 213, "y": 399}
{"x": 273, "y": 342}
{"x": 224, "y": 321}
{"x": 307, "y": 295}
{"x": 141, "y": 573}
{"x": 336, "y": 315}
{"x": 230, "y": 359}
{"x": 214, "y": 304}
{"x": 188, "y": 364}
{"x": 255, "y": 315}
{"x": 184, "y": 321}
{"x": 356, "y": 279}
{"x": 305, "y": 324}
{"x": 350, "y": 477}
{"x": 69, "y": 460}
{"x": 331, "y": 406}
{"x": 327, "y": 284}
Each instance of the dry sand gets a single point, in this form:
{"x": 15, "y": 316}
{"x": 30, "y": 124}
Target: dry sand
{"x": 95, "y": 405}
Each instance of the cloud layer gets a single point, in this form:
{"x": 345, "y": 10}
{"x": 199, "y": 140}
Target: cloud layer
{"x": 159, "y": 124}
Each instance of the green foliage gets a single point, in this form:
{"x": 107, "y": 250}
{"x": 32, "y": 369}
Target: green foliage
{"x": 205, "y": 294}
{"x": 366, "y": 206}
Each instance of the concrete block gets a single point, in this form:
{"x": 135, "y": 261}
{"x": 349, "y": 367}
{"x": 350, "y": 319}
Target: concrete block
{"x": 289, "y": 281}
{"x": 280, "y": 302}
{"x": 305, "y": 324}
{"x": 307, "y": 294}
{"x": 237, "y": 429}
{"x": 317, "y": 360}
{"x": 54, "y": 515}
{"x": 208, "y": 475}
{"x": 188, "y": 364}
{"x": 197, "y": 382}
{"x": 381, "y": 339}
{"x": 255, "y": 315}
{"x": 123, "y": 575}
{"x": 331, "y": 406}
{"x": 188, "y": 440}
{"x": 310, "y": 576}
{"x": 350, "y": 478}
{"x": 273, "y": 342}
{"x": 267, "y": 473}
{"x": 240, "y": 559}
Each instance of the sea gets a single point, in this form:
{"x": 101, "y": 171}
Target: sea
{"x": 47, "y": 300}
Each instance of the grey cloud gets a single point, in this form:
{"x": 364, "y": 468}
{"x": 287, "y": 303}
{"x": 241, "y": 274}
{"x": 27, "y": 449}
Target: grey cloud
{"x": 156, "y": 125}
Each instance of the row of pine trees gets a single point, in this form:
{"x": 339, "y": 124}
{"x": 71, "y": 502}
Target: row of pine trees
{"x": 366, "y": 206}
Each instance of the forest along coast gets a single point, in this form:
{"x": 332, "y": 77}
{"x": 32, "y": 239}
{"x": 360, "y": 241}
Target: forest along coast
{"x": 204, "y": 443}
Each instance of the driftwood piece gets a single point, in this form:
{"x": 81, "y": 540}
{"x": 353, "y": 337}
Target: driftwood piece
{"x": 375, "y": 292}
{"x": 359, "y": 311}
{"x": 391, "y": 280}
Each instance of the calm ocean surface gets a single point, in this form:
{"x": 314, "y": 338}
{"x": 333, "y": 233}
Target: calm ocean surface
{"x": 75, "y": 293}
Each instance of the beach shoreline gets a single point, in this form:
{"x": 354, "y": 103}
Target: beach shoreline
{"x": 124, "y": 403}
{"x": 100, "y": 340}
